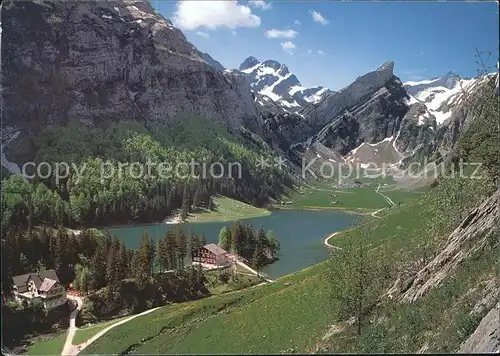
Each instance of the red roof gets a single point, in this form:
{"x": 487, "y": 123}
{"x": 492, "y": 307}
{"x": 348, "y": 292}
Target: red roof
{"x": 215, "y": 249}
{"x": 47, "y": 284}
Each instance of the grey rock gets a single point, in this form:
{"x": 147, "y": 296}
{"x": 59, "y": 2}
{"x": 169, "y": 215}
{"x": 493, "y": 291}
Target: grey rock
{"x": 285, "y": 85}
{"x": 449, "y": 81}
{"x": 210, "y": 61}
{"x": 103, "y": 60}
{"x": 334, "y": 104}
{"x": 248, "y": 63}
{"x": 469, "y": 236}
{"x": 486, "y": 337}
{"x": 371, "y": 119}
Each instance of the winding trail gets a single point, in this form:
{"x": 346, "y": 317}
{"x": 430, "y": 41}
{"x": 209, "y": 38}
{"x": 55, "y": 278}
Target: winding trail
{"x": 374, "y": 214}
{"x": 387, "y": 199}
{"x": 68, "y": 348}
{"x": 329, "y": 237}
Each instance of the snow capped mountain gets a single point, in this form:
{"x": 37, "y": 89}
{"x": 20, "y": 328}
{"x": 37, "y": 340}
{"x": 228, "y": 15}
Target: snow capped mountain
{"x": 274, "y": 80}
{"x": 440, "y": 95}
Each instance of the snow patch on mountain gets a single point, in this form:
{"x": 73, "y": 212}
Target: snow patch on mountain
{"x": 440, "y": 95}
{"x": 376, "y": 154}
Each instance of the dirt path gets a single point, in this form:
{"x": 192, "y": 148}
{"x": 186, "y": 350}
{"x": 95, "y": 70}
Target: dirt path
{"x": 329, "y": 237}
{"x": 104, "y": 331}
{"x": 69, "y": 349}
{"x": 374, "y": 214}
{"x": 244, "y": 265}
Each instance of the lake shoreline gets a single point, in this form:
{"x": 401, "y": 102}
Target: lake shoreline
{"x": 299, "y": 232}
{"x": 328, "y": 237}
{"x": 323, "y": 208}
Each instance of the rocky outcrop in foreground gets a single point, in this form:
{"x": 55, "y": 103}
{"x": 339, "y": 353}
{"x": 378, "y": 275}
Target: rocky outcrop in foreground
{"x": 486, "y": 337}
{"x": 469, "y": 236}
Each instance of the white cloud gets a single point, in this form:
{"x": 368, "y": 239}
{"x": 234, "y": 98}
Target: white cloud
{"x": 297, "y": 23}
{"x": 317, "y": 17}
{"x": 320, "y": 52}
{"x": 309, "y": 51}
{"x": 288, "y": 46}
{"x": 274, "y": 33}
{"x": 203, "y": 34}
{"x": 234, "y": 33}
{"x": 191, "y": 15}
{"x": 260, "y": 4}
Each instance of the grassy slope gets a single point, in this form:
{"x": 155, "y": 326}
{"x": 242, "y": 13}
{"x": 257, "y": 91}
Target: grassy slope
{"x": 356, "y": 199}
{"x": 230, "y": 322}
{"x": 227, "y": 209}
{"x": 400, "y": 196}
{"x": 53, "y": 346}
{"x": 85, "y": 333}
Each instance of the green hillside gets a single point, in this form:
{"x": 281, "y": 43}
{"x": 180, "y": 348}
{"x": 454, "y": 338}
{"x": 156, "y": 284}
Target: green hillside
{"x": 295, "y": 312}
{"x": 226, "y": 209}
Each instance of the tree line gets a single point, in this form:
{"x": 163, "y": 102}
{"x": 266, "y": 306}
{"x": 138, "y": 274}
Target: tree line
{"x": 84, "y": 199}
{"x": 117, "y": 278}
{"x": 92, "y": 260}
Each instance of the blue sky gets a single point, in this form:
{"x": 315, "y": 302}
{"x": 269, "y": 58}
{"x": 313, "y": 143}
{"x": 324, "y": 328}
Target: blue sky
{"x": 346, "y": 39}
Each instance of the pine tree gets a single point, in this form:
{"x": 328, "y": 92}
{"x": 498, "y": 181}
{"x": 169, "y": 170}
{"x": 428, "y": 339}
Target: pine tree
{"x": 143, "y": 261}
{"x": 225, "y": 238}
{"x": 98, "y": 268}
{"x": 257, "y": 259}
{"x": 273, "y": 241}
{"x": 181, "y": 241}
{"x": 158, "y": 259}
{"x": 151, "y": 256}
{"x": 354, "y": 279}
{"x": 170, "y": 250}
{"x": 262, "y": 238}
{"x": 185, "y": 201}
{"x": 196, "y": 196}
{"x": 123, "y": 262}
{"x": 163, "y": 254}
{"x": 249, "y": 244}
{"x": 112, "y": 266}
{"x": 238, "y": 238}
{"x": 203, "y": 239}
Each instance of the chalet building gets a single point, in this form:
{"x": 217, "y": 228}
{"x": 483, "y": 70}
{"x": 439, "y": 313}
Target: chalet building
{"x": 210, "y": 254}
{"x": 44, "y": 286}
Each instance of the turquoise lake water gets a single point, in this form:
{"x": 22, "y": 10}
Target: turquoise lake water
{"x": 300, "y": 233}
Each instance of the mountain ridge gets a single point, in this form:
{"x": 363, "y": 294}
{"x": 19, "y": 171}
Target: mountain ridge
{"x": 274, "y": 79}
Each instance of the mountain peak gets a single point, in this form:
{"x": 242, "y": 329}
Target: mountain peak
{"x": 275, "y": 81}
{"x": 249, "y": 62}
{"x": 386, "y": 67}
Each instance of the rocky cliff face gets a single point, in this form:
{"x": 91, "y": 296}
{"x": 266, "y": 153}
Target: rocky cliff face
{"x": 355, "y": 94}
{"x": 375, "y": 118}
{"x": 471, "y": 235}
{"x": 486, "y": 337}
{"x": 99, "y": 60}
{"x": 374, "y": 108}
{"x": 458, "y": 107}
{"x": 118, "y": 59}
